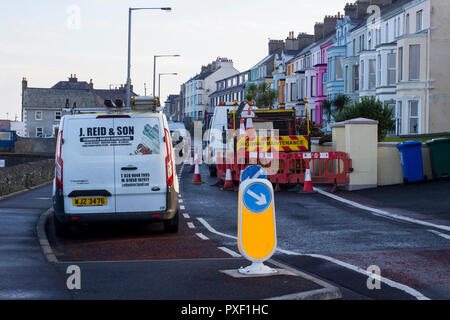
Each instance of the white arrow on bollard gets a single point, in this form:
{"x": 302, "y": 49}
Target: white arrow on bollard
{"x": 261, "y": 199}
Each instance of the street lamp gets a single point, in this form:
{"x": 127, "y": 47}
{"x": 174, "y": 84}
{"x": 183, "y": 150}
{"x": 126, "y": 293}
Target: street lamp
{"x": 154, "y": 68}
{"x": 130, "y": 10}
{"x": 159, "y": 81}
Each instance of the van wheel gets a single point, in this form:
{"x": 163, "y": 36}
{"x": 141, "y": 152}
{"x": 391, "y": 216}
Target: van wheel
{"x": 171, "y": 226}
{"x": 62, "y": 230}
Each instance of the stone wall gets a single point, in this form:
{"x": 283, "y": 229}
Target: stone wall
{"x": 35, "y": 145}
{"x": 13, "y": 159}
{"x": 25, "y": 176}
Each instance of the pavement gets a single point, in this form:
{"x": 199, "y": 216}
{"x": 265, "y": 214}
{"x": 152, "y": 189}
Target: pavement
{"x": 24, "y": 271}
{"x": 428, "y": 201}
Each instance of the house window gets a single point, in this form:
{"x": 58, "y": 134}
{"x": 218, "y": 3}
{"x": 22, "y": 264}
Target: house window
{"x": 347, "y": 78}
{"x": 199, "y": 99}
{"x": 391, "y": 57}
{"x": 407, "y": 23}
{"x": 400, "y": 64}
{"x": 395, "y": 28}
{"x": 362, "y": 74}
{"x": 293, "y": 93}
{"x": 58, "y": 115}
{"x": 372, "y": 74}
{"x": 302, "y": 88}
{"x": 339, "y": 68}
{"x": 324, "y": 84}
{"x": 200, "y": 115}
{"x": 419, "y": 21}
{"x": 356, "y": 78}
{"x": 379, "y": 70}
{"x": 38, "y": 115}
{"x": 39, "y": 132}
{"x": 398, "y": 118}
{"x": 413, "y": 116}
{"x": 414, "y": 62}
{"x": 354, "y": 47}
{"x": 313, "y": 86}
{"x": 386, "y": 38}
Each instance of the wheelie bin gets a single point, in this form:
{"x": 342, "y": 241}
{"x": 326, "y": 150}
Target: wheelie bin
{"x": 440, "y": 156}
{"x": 411, "y": 160}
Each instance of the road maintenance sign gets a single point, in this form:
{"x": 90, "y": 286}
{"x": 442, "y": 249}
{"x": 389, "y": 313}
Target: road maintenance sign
{"x": 257, "y": 235}
{"x": 273, "y": 144}
{"x": 253, "y": 172}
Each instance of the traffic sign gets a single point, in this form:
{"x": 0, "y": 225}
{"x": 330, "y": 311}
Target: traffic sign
{"x": 253, "y": 172}
{"x": 257, "y": 197}
{"x": 257, "y": 235}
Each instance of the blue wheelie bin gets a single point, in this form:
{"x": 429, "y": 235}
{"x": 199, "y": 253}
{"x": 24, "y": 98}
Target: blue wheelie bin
{"x": 411, "y": 160}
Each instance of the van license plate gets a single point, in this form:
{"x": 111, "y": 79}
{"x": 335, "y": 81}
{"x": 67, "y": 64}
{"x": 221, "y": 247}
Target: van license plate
{"x": 90, "y": 202}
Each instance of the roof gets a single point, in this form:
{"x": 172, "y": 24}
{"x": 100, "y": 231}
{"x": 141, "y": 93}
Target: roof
{"x": 113, "y": 95}
{"x": 72, "y": 85}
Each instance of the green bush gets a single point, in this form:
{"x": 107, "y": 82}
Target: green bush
{"x": 370, "y": 108}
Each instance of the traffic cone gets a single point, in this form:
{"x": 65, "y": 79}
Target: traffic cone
{"x": 229, "y": 185}
{"x": 197, "y": 176}
{"x": 191, "y": 161}
{"x": 308, "y": 186}
{"x": 242, "y": 127}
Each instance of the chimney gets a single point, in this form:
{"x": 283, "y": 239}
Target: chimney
{"x": 24, "y": 83}
{"x": 292, "y": 43}
{"x": 304, "y": 40}
{"x": 318, "y": 31}
{"x": 329, "y": 24}
{"x": 91, "y": 85}
{"x": 73, "y": 78}
{"x": 274, "y": 45}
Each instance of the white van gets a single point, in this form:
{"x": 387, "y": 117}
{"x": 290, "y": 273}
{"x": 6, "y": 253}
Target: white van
{"x": 115, "y": 167}
{"x": 218, "y": 125}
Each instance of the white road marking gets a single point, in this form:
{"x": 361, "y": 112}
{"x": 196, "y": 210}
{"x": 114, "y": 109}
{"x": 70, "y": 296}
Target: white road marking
{"x": 230, "y": 252}
{"x": 402, "y": 287}
{"x": 42, "y": 198}
{"x": 202, "y": 236}
{"x": 182, "y": 207}
{"x": 191, "y": 225}
{"x": 186, "y": 216}
{"x": 211, "y": 229}
{"x": 443, "y": 235}
{"x": 382, "y": 213}
{"x": 180, "y": 200}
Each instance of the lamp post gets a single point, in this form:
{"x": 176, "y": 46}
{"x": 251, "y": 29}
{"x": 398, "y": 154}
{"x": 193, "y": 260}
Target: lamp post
{"x": 154, "y": 68}
{"x": 159, "y": 81}
{"x": 130, "y": 10}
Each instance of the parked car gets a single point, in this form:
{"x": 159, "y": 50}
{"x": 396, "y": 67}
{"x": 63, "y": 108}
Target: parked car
{"x": 115, "y": 167}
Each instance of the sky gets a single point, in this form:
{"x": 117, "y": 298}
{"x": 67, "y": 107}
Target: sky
{"x": 47, "y": 40}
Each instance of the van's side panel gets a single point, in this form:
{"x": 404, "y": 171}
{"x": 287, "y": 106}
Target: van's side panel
{"x": 88, "y": 161}
{"x": 140, "y": 168}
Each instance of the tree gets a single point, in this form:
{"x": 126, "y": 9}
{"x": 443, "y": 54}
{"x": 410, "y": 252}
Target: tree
{"x": 370, "y": 108}
{"x": 327, "y": 106}
{"x": 261, "y": 95}
{"x": 340, "y": 101}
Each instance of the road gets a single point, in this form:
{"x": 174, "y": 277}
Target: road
{"x": 318, "y": 235}
{"x": 314, "y": 225}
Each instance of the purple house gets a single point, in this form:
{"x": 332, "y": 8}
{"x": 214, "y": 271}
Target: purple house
{"x": 321, "y": 80}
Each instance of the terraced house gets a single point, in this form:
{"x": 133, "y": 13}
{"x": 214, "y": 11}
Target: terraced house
{"x": 401, "y": 61}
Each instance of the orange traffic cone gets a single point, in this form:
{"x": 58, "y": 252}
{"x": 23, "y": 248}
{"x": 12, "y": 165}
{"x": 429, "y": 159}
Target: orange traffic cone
{"x": 229, "y": 185}
{"x": 308, "y": 186}
{"x": 191, "y": 161}
{"x": 242, "y": 127}
{"x": 197, "y": 176}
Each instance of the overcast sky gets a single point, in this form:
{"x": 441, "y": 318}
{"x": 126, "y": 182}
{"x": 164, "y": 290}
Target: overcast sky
{"x": 47, "y": 40}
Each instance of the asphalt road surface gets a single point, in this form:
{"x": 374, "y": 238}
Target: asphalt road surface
{"x": 309, "y": 226}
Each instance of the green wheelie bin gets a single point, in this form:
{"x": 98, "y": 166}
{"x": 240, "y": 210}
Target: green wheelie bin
{"x": 440, "y": 156}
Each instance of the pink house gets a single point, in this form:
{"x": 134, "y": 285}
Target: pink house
{"x": 321, "y": 80}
